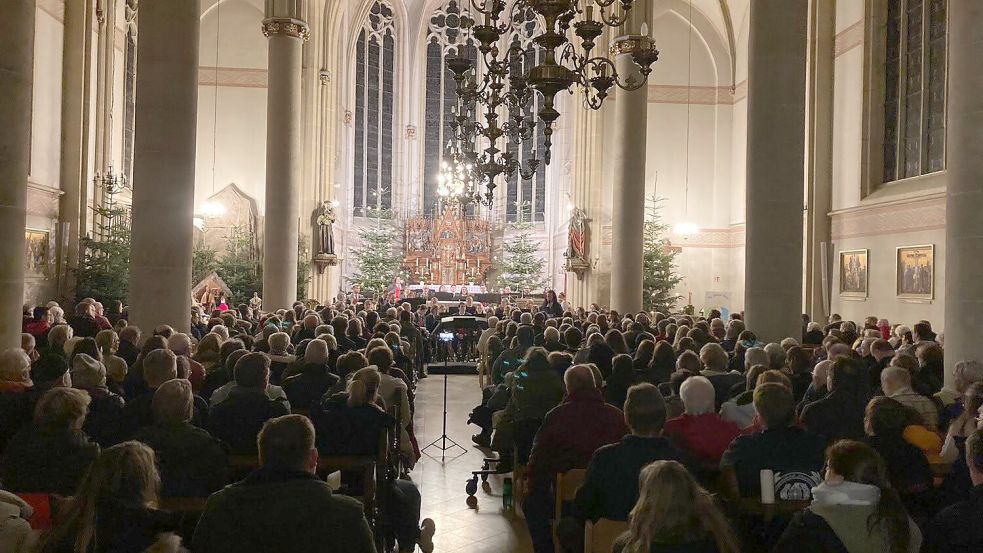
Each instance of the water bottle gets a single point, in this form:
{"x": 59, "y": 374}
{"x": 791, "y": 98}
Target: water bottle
{"x": 507, "y": 493}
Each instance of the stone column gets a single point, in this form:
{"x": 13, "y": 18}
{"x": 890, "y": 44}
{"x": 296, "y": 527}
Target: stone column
{"x": 964, "y": 194}
{"x": 16, "y": 83}
{"x": 286, "y": 33}
{"x": 74, "y": 157}
{"x": 628, "y": 182}
{"x": 775, "y": 167}
{"x": 164, "y": 164}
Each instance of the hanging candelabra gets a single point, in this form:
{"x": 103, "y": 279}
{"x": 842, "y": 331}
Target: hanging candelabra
{"x": 565, "y": 47}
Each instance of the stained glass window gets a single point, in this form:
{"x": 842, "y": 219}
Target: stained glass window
{"x": 444, "y": 39}
{"x": 915, "y": 64}
{"x": 375, "y": 68}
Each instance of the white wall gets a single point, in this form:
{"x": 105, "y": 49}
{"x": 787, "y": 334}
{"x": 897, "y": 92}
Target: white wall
{"x": 232, "y": 116}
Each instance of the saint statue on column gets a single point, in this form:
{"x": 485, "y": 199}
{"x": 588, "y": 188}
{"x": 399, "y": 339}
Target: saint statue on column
{"x": 577, "y": 235}
{"x": 324, "y": 218}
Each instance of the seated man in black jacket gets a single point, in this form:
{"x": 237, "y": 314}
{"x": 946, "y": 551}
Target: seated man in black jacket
{"x": 610, "y": 489}
{"x": 192, "y": 463}
{"x": 956, "y": 529}
{"x": 283, "y": 506}
{"x": 840, "y": 415}
{"x": 238, "y": 419}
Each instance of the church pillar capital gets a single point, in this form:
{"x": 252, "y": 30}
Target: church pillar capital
{"x": 286, "y": 27}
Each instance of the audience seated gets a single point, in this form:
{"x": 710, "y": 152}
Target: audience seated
{"x": 675, "y": 515}
{"x": 238, "y": 419}
{"x": 192, "y": 463}
{"x": 896, "y": 384}
{"x": 780, "y": 446}
{"x": 104, "y": 422}
{"x": 611, "y": 487}
{"x": 957, "y": 528}
{"x": 115, "y": 508}
{"x": 854, "y": 509}
{"x": 283, "y": 506}
{"x": 568, "y": 437}
{"x": 15, "y": 382}
{"x": 700, "y": 431}
{"x": 349, "y": 423}
{"x": 839, "y": 415}
{"x": 52, "y": 453}
{"x": 907, "y": 467}
{"x": 313, "y": 380}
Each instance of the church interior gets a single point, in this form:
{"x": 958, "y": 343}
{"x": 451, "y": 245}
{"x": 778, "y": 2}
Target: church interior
{"x": 775, "y": 162}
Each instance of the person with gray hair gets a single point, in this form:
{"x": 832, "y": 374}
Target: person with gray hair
{"x": 700, "y": 431}
{"x": 191, "y": 462}
{"x": 280, "y": 357}
{"x": 896, "y": 383}
{"x": 52, "y": 454}
{"x": 314, "y": 378}
{"x": 714, "y": 360}
{"x": 58, "y": 336}
{"x": 159, "y": 366}
{"x": 180, "y": 344}
{"x": 964, "y": 374}
{"x": 105, "y": 421}
{"x": 776, "y": 356}
{"x": 568, "y": 437}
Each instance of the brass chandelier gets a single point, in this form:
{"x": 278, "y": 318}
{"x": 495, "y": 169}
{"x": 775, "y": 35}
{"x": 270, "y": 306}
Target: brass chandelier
{"x": 503, "y": 85}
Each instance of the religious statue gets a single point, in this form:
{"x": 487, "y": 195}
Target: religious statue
{"x": 256, "y": 302}
{"x": 578, "y": 239}
{"x": 578, "y": 235}
{"x": 324, "y": 218}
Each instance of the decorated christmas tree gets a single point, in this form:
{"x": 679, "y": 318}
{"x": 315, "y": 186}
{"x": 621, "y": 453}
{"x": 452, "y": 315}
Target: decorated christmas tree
{"x": 659, "y": 277}
{"x": 522, "y": 267}
{"x": 376, "y": 261}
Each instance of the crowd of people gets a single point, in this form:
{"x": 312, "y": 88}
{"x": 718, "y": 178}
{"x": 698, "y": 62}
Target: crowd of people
{"x": 675, "y": 418}
{"x": 662, "y": 411}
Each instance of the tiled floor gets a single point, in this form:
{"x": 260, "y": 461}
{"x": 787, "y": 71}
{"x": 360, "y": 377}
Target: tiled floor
{"x": 486, "y": 529}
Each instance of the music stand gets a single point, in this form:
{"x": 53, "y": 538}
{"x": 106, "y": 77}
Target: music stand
{"x": 445, "y": 442}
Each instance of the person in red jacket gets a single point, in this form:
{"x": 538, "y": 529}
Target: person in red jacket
{"x": 568, "y": 437}
{"x": 700, "y": 431}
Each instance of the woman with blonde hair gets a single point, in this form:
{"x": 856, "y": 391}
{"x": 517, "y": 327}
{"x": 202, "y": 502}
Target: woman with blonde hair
{"x": 208, "y": 352}
{"x": 108, "y": 343}
{"x": 675, "y": 514}
{"x": 114, "y": 508}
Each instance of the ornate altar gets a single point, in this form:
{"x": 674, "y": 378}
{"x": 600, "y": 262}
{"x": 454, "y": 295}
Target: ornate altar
{"x": 453, "y": 248}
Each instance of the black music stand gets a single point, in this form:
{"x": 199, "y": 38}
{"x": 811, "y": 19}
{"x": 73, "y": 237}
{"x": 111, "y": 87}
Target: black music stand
{"x": 445, "y": 443}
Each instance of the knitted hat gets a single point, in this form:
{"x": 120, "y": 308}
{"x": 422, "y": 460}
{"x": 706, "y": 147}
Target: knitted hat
{"x": 88, "y": 372}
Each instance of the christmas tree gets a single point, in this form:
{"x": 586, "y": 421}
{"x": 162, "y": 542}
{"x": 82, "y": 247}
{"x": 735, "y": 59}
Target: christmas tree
{"x": 239, "y": 265}
{"x": 377, "y": 264}
{"x": 104, "y": 269}
{"x": 522, "y": 266}
{"x": 659, "y": 276}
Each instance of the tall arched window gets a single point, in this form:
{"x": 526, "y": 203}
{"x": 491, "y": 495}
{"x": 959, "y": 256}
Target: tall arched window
{"x": 375, "y": 68}
{"x": 444, "y": 38}
{"x": 531, "y": 193}
{"x": 914, "y": 88}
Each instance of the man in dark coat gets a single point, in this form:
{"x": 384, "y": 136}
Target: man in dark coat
{"x": 956, "y": 529}
{"x": 840, "y": 415}
{"x": 283, "y": 506}
{"x": 238, "y": 419}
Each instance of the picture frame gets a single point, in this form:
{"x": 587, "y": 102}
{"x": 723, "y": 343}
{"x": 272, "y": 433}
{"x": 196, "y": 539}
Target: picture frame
{"x": 854, "y": 273}
{"x": 915, "y": 272}
{"x": 37, "y": 252}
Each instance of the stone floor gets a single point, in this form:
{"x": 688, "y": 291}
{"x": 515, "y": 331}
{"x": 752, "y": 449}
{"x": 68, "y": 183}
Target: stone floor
{"x": 486, "y": 529}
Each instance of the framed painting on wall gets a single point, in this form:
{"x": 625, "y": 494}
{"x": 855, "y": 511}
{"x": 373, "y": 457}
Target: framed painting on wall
{"x": 916, "y": 272}
{"x": 853, "y": 273}
{"x": 37, "y": 252}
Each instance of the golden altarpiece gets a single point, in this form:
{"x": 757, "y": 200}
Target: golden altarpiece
{"x": 453, "y": 248}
